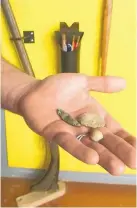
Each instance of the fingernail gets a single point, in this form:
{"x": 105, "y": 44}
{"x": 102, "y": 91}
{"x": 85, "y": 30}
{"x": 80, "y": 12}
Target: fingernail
{"x": 116, "y": 84}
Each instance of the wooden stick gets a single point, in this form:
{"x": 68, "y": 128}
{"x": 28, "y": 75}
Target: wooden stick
{"x": 107, "y": 13}
{"x": 39, "y": 198}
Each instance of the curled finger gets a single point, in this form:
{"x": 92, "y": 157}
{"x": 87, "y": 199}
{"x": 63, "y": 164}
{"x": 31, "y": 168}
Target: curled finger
{"x": 127, "y": 137}
{"x": 119, "y": 147}
{"x": 107, "y": 160}
{"x": 74, "y": 147}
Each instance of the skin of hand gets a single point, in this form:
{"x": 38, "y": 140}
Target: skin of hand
{"x": 70, "y": 92}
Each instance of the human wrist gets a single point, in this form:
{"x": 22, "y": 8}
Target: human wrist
{"x": 13, "y": 97}
{"x": 15, "y": 84}
{"x": 17, "y": 96}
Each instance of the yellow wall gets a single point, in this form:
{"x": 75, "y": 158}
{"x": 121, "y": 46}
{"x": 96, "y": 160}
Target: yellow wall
{"x": 25, "y": 148}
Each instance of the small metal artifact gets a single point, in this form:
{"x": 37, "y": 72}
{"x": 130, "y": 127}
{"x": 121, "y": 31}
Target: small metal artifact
{"x": 91, "y": 120}
{"x": 67, "y": 118}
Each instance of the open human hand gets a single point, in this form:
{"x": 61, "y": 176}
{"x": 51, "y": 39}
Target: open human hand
{"x": 70, "y": 92}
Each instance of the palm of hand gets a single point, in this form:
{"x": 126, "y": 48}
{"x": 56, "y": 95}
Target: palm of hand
{"x": 71, "y": 93}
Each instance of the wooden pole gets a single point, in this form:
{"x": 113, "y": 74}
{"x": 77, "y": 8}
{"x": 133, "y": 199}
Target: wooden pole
{"x": 107, "y": 14}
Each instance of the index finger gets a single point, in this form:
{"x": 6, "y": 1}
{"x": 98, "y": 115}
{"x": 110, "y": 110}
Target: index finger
{"x": 107, "y": 84}
{"x": 127, "y": 137}
{"x": 117, "y": 129}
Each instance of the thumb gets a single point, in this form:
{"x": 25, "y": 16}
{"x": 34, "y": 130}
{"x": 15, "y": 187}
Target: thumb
{"x": 106, "y": 84}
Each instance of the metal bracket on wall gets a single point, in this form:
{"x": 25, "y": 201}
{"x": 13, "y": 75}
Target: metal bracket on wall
{"x": 28, "y": 37}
